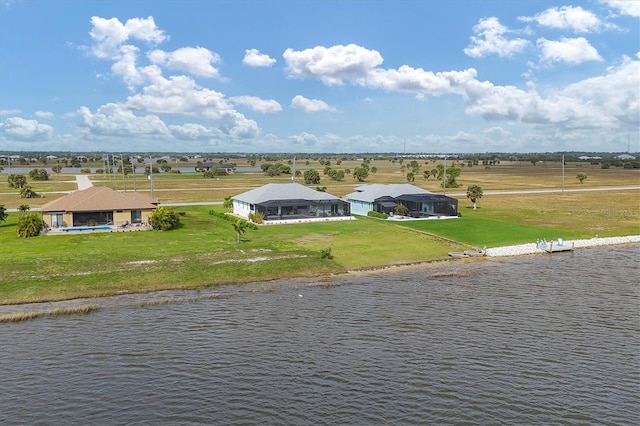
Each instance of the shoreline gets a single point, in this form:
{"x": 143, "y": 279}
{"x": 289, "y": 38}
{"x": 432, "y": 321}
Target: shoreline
{"x": 532, "y": 248}
{"x": 495, "y": 252}
{"x": 503, "y": 251}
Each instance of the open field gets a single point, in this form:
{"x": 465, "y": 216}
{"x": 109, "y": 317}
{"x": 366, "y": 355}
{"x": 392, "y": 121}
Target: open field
{"x": 192, "y": 187}
{"x": 204, "y": 252}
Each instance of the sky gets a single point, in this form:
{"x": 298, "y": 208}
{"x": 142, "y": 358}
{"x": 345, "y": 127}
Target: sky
{"x": 299, "y": 76}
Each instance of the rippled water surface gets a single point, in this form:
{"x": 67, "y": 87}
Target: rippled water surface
{"x": 544, "y": 339}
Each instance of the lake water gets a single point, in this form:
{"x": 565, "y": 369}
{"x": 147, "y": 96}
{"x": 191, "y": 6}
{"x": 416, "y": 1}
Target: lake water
{"x": 541, "y": 339}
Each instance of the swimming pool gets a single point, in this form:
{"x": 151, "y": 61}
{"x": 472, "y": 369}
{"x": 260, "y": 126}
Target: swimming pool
{"x": 87, "y": 228}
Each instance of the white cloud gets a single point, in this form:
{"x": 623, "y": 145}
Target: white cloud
{"x": 310, "y": 105}
{"x": 608, "y": 101}
{"x": 193, "y": 131}
{"x": 626, "y": 7}
{"x": 418, "y": 81}
{"x": 566, "y": 17}
{"x": 19, "y": 129}
{"x": 44, "y": 114}
{"x": 9, "y": 111}
{"x": 569, "y": 50}
{"x": 490, "y": 39}
{"x": 180, "y": 95}
{"x": 332, "y": 65}
{"x": 614, "y": 95}
{"x": 110, "y": 34}
{"x": 254, "y": 58}
{"x": 257, "y": 104}
{"x": 193, "y": 60}
{"x": 115, "y": 120}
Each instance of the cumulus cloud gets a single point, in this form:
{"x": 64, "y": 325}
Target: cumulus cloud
{"x": 418, "y": 81}
{"x": 614, "y": 95}
{"x": 110, "y": 34}
{"x": 19, "y": 129}
{"x": 254, "y": 58}
{"x": 568, "y": 50}
{"x": 626, "y": 7}
{"x": 197, "y": 61}
{"x": 257, "y": 104}
{"x": 605, "y": 101}
{"x": 490, "y": 39}
{"x": 310, "y": 105}
{"x": 115, "y": 120}
{"x": 182, "y": 96}
{"x": 566, "y": 17}
{"x": 332, "y": 65}
{"x": 192, "y": 131}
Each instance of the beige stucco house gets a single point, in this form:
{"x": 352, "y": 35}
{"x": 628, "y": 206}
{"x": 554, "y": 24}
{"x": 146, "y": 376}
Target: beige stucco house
{"x": 98, "y": 205}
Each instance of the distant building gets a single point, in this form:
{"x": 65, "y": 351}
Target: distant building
{"x": 222, "y": 166}
{"x": 625, "y": 157}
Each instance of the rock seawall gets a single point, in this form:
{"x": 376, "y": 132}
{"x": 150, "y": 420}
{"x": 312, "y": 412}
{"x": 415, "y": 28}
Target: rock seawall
{"x": 532, "y": 248}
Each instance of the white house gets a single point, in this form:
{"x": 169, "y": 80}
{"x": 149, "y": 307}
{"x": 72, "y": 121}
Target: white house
{"x": 384, "y": 198}
{"x": 289, "y": 201}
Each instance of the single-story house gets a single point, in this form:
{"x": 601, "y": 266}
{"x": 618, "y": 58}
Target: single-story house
{"x": 384, "y": 198}
{"x": 289, "y": 201}
{"x": 625, "y": 157}
{"x": 98, "y": 205}
{"x": 222, "y": 166}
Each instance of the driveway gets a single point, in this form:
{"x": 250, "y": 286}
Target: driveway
{"x": 83, "y": 182}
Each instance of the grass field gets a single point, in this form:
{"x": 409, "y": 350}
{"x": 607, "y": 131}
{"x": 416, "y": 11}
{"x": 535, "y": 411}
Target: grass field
{"x": 203, "y": 251}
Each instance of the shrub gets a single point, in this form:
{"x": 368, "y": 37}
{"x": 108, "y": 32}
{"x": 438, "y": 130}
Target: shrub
{"x": 257, "y": 217}
{"x": 30, "y": 225}
{"x": 401, "y": 210}
{"x": 378, "y": 215}
{"x": 165, "y": 219}
{"x": 325, "y": 253}
{"x": 209, "y": 174}
{"x": 230, "y": 218}
{"x": 39, "y": 174}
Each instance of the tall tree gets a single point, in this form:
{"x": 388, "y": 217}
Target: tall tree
{"x": 360, "y": 173}
{"x": 311, "y": 176}
{"x": 474, "y": 192}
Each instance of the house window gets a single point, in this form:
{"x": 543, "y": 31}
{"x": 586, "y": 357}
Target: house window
{"x": 56, "y": 220}
{"x": 136, "y": 216}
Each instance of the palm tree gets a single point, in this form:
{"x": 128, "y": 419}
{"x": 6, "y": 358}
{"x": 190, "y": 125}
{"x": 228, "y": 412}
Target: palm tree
{"x": 473, "y": 193}
{"x": 240, "y": 226}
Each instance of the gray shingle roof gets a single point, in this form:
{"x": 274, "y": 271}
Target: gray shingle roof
{"x": 282, "y": 191}
{"x": 372, "y": 192}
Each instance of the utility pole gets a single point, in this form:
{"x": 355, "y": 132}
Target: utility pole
{"x": 444, "y": 176}
{"x": 151, "y": 177}
{"x": 563, "y": 173}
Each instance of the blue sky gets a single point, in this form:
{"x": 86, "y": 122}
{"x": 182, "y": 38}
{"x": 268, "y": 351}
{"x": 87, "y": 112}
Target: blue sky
{"x": 300, "y": 76}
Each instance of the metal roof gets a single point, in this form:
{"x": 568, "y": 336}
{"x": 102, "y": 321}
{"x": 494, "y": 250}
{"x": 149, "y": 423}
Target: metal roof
{"x": 372, "y": 192}
{"x": 283, "y": 191}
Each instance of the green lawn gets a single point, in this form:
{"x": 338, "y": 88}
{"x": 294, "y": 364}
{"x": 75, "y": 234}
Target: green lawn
{"x": 204, "y": 252}
{"x": 481, "y": 231}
